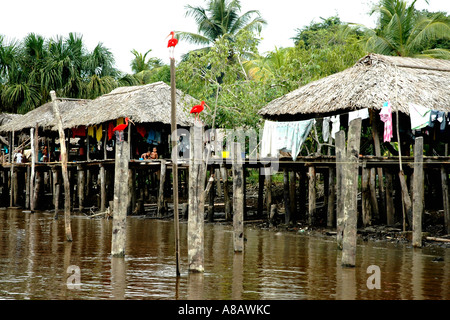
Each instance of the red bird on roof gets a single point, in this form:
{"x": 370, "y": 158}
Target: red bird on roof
{"x": 172, "y": 43}
{"x": 199, "y": 108}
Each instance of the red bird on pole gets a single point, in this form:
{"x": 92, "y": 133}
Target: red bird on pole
{"x": 121, "y": 127}
{"x": 172, "y": 43}
{"x": 199, "y": 108}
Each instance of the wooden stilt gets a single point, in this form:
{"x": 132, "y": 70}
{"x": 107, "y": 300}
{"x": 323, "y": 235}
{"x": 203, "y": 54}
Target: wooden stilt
{"x": 418, "y": 193}
{"x": 292, "y": 198}
{"x": 331, "y": 198}
{"x": 64, "y": 159}
{"x": 390, "y": 212}
{"x": 162, "y": 180}
{"x": 261, "y": 180}
{"x": 311, "y": 195}
{"x": 120, "y": 198}
{"x": 268, "y": 183}
{"x": 286, "y": 197}
{"x": 351, "y": 194}
{"x": 340, "y": 159}
{"x": 33, "y": 138}
{"x": 226, "y": 193}
{"x": 365, "y": 190}
{"x": 238, "y": 199}
{"x": 11, "y": 174}
{"x": 81, "y": 180}
{"x": 102, "y": 179}
{"x": 211, "y": 196}
{"x": 27, "y": 188}
{"x": 195, "y": 240}
{"x": 445, "y": 198}
{"x": 373, "y": 195}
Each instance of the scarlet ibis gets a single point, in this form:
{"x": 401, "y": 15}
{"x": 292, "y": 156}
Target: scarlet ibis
{"x": 172, "y": 42}
{"x": 121, "y": 127}
{"x": 199, "y": 108}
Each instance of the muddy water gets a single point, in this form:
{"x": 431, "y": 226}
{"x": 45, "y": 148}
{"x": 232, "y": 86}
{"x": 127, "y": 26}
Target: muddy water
{"x": 35, "y": 258}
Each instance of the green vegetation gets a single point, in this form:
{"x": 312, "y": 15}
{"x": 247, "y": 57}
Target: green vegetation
{"x": 227, "y": 71}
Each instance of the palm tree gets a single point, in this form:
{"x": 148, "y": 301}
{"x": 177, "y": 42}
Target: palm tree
{"x": 401, "y": 32}
{"x": 220, "y": 19}
{"x": 141, "y": 63}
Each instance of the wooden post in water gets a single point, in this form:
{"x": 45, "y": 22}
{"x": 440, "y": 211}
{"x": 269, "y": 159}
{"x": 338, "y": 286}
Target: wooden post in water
{"x": 33, "y": 166}
{"x": 120, "y": 198}
{"x": 195, "y": 240}
{"x": 62, "y": 144}
{"x": 389, "y": 199}
{"x": 331, "y": 197}
{"x": 81, "y": 179}
{"x": 446, "y": 200}
{"x": 12, "y": 176}
{"x": 286, "y": 197}
{"x": 365, "y": 197}
{"x": 351, "y": 194}
{"x": 340, "y": 159}
{"x": 174, "y": 136}
{"x": 162, "y": 180}
{"x": 238, "y": 198}
{"x": 226, "y": 194}
{"x": 418, "y": 193}
{"x": 311, "y": 195}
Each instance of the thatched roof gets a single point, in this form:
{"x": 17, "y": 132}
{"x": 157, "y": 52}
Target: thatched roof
{"x": 7, "y": 117}
{"x": 43, "y": 116}
{"x": 147, "y": 103}
{"x": 368, "y": 84}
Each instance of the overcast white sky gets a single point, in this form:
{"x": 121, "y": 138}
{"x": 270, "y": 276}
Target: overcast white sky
{"x": 144, "y": 24}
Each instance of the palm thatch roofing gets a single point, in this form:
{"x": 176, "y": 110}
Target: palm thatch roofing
{"x": 42, "y": 116}
{"x": 149, "y": 103}
{"x": 373, "y": 80}
{"x": 143, "y": 104}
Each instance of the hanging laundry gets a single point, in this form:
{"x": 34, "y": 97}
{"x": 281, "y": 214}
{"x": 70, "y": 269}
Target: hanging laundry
{"x": 285, "y": 136}
{"x": 110, "y": 130}
{"x": 91, "y": 131}
{"x": 141, "y": 130}
{"x": 336, "y": 125}
{"x": 326, "y": 129}
{"x": 79, "y": 131}
{"x": 151, "y": 136}
{"x": 362, "y": 113}
{"x": 420, "y": 116}
{"x": 99, "y": 132}
{"x": 386, "y": 117}
{"x": 438, "y": 116}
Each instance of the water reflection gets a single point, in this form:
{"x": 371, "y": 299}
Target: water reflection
{"x": 34, "y": 259}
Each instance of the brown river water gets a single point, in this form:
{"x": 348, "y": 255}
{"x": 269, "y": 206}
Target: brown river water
{"x": 37, "y": 263}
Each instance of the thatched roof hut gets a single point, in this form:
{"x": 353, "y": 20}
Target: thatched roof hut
{"x": 143, "y": 104}
{"x": 373, "y": 80}
{"x": 149, "y": 103}
{"x": 43, "y": 116}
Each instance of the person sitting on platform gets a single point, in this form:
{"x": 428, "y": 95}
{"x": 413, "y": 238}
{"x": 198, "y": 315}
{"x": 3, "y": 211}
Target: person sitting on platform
{"x": 146, "y": 156}
{"x": 154, "y": 154}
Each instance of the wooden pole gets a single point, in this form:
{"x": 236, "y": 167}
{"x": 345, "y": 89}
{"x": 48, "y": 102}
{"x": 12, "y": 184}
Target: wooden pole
{"x": 331, "y": 197}
{"x": 12, "y": 175}
{"x": 162, "y": 180}
{"x": 120, "y": 198}
{"x": 373, "y": 195}
{"x": 365, "y": 190}
{"x": 418, "y": 193}
{"x": 292, "y": 198}
{"x": 446, "y": 200}
{"x": 62, "y": 140}
{"x": 286, "y": 197}
{"x": 351, "y": 194}
{"x": 33, "y": 166}
{"x": 226, "y": 194}
{"x": 238, "y": 199}
{"x": 311, "y": 195}
{"x": 81, "y": 179}
{"x": 340, "y": 159}
{"x": 195, "y": 240}
{"x": 175, "y": 164}
{"x": 102, "y": 188}
{"x": 261, "y": 179}
{"x": 390, "y": 216}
